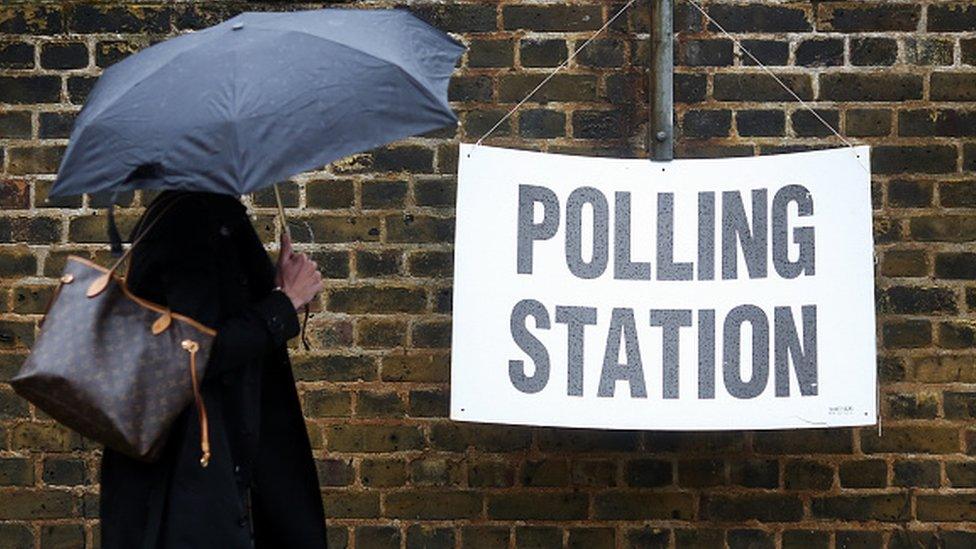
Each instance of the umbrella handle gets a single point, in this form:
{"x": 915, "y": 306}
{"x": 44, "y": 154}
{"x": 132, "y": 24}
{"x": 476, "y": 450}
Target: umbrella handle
{"x": 281, "y": 213}
{"x": 284, "y": 229}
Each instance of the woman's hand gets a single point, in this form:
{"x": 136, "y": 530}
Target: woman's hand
{"x": 297, "y": 275}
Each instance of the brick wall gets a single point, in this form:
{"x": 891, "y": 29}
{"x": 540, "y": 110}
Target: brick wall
{"x": 899, "y": 75}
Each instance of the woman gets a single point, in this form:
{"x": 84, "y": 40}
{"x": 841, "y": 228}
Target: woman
{"x": 203, "y": 259}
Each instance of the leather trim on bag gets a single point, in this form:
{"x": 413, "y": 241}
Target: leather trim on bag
{"x": 144, "y": 302}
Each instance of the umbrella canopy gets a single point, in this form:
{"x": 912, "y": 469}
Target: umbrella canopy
{"x": 257, "y": 99}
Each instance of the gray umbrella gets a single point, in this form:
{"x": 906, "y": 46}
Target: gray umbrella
{"x": 257, "y": 99}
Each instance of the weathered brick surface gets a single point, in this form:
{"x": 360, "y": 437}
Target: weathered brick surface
{"x": 899, "y": 75}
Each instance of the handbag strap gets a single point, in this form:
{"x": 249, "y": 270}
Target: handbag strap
{"x": 142, "y": 229}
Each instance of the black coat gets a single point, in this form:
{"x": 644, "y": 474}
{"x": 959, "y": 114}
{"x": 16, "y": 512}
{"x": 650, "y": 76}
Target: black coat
{"x": 203, "y": 259}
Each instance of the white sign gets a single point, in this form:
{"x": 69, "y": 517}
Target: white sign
{"x": 694, "y": 294}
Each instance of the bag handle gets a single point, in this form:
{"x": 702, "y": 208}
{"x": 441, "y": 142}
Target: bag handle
{"x": 100, "y": 283}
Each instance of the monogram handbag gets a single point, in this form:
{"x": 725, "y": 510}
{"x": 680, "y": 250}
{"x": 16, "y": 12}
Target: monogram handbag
{"x": 116, "y": 368}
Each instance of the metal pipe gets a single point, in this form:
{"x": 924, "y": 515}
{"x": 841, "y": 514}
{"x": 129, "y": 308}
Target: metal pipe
{"x": 660, "y": 80}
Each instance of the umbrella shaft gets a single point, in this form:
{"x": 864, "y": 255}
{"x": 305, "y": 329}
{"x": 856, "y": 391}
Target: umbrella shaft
{"x": 281, "y": 213}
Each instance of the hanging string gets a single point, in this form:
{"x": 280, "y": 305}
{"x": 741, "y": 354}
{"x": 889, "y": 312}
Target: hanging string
{"x": 561, "y": 66}
{"x": 878, "y": 408}
{"x": 721, "y": 29}
{"x": 778, "y": 80}
{"x": 808, "y": 108}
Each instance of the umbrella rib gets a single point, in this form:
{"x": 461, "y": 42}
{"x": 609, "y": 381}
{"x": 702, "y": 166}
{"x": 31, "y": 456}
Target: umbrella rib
{"x": 236, "y": 167}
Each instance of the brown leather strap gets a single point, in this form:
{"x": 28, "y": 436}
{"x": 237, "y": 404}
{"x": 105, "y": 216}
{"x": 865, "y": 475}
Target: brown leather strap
{"x": 65, "y": 279}
{"x": 191, "y": 347}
